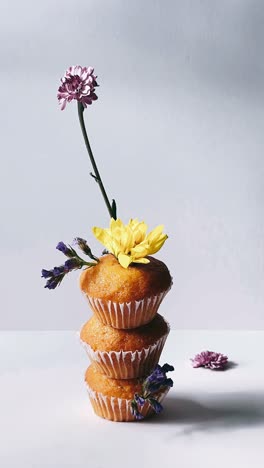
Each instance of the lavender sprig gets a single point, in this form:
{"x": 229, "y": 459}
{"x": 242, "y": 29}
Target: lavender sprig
{"x": 75, "y": 262}
{"x": 82, "y": 244}
{"x": 152, "y": 385}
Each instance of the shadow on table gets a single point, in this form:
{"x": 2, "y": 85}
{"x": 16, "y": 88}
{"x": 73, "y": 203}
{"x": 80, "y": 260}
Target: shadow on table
{"x": 224, "y": 411}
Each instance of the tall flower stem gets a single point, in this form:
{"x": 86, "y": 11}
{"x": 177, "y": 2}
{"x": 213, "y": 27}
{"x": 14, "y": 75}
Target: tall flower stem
{"x": 111, "y": 208}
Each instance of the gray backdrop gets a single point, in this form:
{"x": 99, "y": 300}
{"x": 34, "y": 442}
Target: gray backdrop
{"x": 177, "y": 133}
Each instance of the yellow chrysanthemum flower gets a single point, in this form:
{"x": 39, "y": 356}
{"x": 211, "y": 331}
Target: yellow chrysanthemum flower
{"x": 130, "y": 243}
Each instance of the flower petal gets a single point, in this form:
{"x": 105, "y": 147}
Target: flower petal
{"x": 124, "y": 260}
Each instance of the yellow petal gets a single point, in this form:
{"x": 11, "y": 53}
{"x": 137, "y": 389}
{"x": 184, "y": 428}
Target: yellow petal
{"x": 155, "y": 233}
{"x": 141, "y": 260}
{"x": 102, "y": 235}
{"x": 156, "y": 246}
{"x": 124, "y": 260}
{"x": 140, "y": 250}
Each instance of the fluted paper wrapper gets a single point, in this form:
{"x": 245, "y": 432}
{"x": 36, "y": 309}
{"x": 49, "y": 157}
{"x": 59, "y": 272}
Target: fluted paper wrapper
{"x": 118, "y": 409}
{"x": 127, "y": 314}
{"x": 126, "y": 364}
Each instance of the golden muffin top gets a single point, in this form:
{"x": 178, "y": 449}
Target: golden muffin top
{"x": 103, "y": 337}
{"x": 108, "y": 280}
{"x": 119, "y": 388}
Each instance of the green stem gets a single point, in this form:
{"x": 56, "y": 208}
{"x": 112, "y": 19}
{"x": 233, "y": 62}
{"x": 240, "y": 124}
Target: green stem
{"x": 111, "y": 209}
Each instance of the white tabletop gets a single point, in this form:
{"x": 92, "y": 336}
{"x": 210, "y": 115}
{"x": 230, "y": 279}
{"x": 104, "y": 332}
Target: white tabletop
{"x": 211, "y": 419}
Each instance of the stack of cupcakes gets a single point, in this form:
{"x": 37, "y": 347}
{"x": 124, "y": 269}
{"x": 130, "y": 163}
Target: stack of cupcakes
{"x": 125, "y": 336}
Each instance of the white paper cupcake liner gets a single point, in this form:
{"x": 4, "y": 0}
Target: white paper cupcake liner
{"x": 127, "y": 314}
{"x": 126, "y": 364}
{"x": 118, "y": 409}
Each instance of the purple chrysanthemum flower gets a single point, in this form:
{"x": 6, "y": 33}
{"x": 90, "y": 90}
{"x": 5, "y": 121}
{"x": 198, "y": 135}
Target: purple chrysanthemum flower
{"x": 78, "y": 83}
{"x": 210, "y": 360}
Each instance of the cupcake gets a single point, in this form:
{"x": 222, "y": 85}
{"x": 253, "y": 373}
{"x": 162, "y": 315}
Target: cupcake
{"x": 114, "y": 399}
{"x": 124, "y": 354}
{"x": 125, "y": 297}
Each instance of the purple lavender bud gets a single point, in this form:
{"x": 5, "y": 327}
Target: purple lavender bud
{"x": 167, "y": 368}
{"x": 82, "y": 244}
{"x": 138, "y": 415}
{"x": 65, "y": 250}
{"x": 72, "y": 264}
{"x": 139, "y": 399}
{"x": 46, "y": 273}
{"x": 155, "y": 405}
{"x": 168, "y": 383}
{"x": 157, "y": 379}
{"x": 134, "y": 410}
{"x": 58, "y": 270}
{"x": 52, "y": 283}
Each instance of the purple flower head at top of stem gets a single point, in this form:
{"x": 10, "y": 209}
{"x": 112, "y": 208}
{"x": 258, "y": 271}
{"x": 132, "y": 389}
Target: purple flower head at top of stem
{"x": 68, "y": 251}
{"x": 82, "y": 244}
{"x": 210, "y": 360}
{"x": 78, "y": 83}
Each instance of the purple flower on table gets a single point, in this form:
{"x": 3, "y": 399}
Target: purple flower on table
{"x": 210, "y": 360}
{"x": 78, "y": 83}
